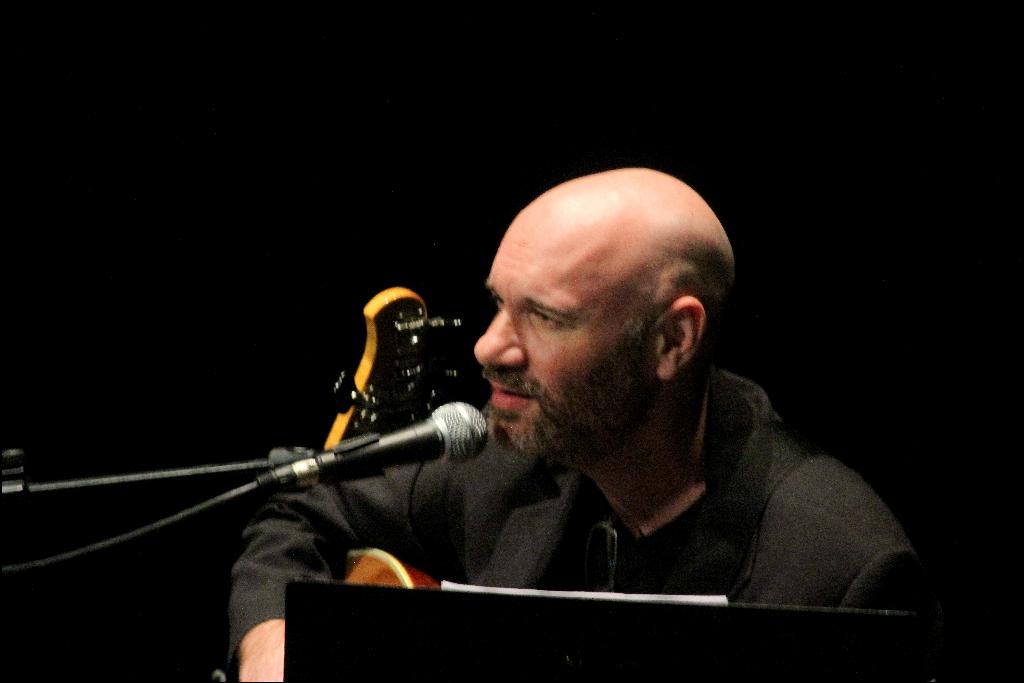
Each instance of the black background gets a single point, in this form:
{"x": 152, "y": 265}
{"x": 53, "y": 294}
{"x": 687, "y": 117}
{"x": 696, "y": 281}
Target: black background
{"x": 200, "y": 206}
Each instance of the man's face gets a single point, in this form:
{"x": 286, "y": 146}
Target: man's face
{"x": 569, "y": 356}
{"x": 575, "y": 419}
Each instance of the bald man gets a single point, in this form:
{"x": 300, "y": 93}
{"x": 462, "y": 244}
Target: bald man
{"x": 607, "y": 290}
{"x": 608, "y": 420}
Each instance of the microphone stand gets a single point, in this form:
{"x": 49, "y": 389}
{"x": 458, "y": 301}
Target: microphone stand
{"x": 17, "y": 486}
{"x": 15, "y": 482}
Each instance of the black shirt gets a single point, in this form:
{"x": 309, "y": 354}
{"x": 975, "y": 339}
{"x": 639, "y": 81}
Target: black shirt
{"x": 599, "y": 553}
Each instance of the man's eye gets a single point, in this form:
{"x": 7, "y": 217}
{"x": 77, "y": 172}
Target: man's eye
{"x": 545, "y": 319}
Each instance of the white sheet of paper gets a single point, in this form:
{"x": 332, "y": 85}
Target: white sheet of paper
{"x": 590, "y": 595}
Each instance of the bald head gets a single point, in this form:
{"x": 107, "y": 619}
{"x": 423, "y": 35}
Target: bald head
{"x": 607, "y": 290}
{"x": 634, "y": 233}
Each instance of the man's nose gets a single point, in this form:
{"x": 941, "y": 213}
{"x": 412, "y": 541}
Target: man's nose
{"x": 499, "y": 345}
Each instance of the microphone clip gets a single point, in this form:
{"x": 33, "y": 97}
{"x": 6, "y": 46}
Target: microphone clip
{"x": 300, "y": 467}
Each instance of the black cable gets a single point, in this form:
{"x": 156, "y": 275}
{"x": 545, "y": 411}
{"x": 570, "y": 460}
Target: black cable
{"x": 131, "y": 535}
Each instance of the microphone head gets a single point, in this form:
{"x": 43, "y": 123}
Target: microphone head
{"x": 463, "y": 428}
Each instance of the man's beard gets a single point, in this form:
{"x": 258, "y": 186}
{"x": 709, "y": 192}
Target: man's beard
{"x": 592, "y": 415}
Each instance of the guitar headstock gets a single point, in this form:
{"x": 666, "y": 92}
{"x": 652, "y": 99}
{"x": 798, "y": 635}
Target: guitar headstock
{"x": 397, "y": 381}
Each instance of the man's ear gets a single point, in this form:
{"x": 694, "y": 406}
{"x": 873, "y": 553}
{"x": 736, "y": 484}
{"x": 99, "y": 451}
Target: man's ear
{"x": 680, "y": 332}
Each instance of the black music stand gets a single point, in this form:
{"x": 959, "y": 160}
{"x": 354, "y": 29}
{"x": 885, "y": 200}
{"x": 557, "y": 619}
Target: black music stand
{"x": 336, "y": 631}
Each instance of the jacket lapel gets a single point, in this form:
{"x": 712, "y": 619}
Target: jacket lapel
{"x": 738, "y": 463}
{"x": 531, "y": 532}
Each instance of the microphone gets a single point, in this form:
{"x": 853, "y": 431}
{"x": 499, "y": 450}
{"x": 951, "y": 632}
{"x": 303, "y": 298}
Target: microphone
{"x": 455, "y": 430}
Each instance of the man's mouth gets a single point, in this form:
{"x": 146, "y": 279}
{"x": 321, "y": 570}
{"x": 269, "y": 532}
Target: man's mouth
{"x": 504, "y": 398}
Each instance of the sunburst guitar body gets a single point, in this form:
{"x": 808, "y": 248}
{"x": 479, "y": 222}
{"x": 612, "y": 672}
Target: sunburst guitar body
{"x": 375, "y": 567}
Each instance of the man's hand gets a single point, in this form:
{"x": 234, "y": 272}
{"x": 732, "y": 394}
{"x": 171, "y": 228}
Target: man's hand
{"x": 261, "y": 652}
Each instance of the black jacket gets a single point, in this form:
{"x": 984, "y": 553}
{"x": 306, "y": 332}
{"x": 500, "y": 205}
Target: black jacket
{"x": 780, "y": 523}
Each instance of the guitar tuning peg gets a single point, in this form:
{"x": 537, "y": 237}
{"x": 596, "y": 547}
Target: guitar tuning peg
{"x": 344, "y": 392}
{"x": 444, "y": 322}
